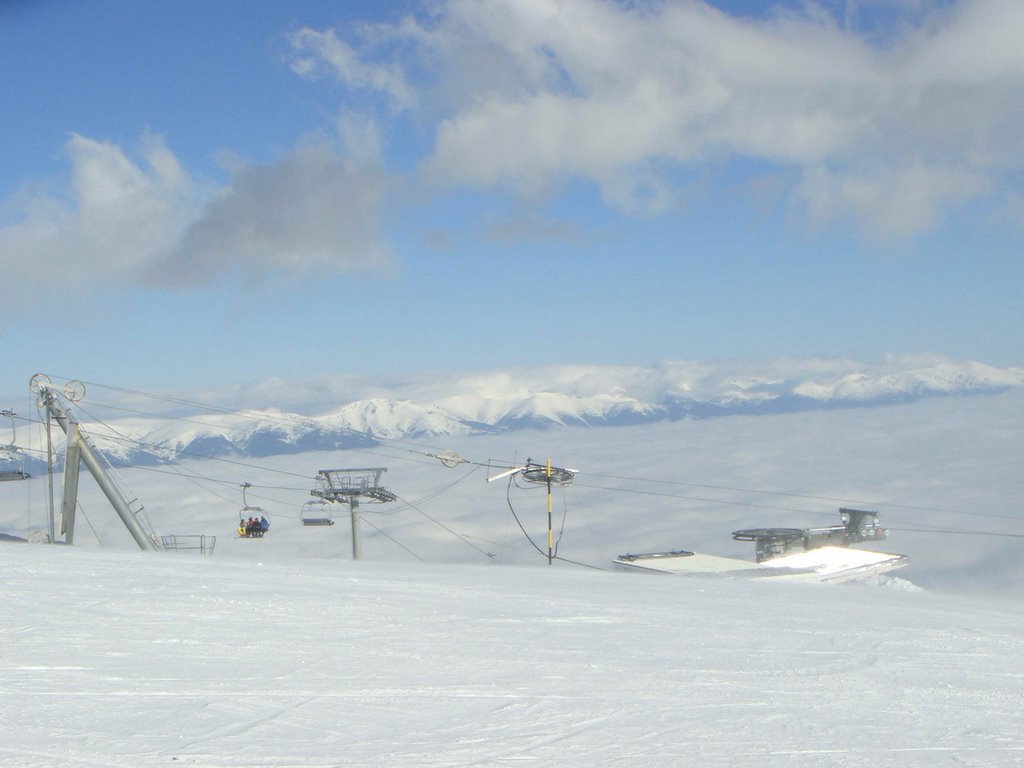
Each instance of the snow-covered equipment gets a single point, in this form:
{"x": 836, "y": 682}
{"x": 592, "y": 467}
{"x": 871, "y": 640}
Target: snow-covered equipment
{"x": 858, "y": 525}
{"x": 821, "y": 554}
{"x": 448, "y": 457}
{"x": 542, "y": 474}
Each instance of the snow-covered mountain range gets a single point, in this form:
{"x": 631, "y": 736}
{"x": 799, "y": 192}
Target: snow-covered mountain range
{"x": 501, "y": 401}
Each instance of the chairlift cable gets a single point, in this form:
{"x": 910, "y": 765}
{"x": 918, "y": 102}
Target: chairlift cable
{"x": 508, "y": 498}
{"x": 579, "y": 563}
{"x": 489, "y": 541}
{"x": 255, "y": 416}
{"x": 190, "y": 454}
{"x": 595, "y": 541}
{"x": 861, "y": 502}
{"x": 113, "y": 474}
{"x": 698, "y": 498}
{"x": 117, "y": 436}
{"x": 88, "y": 522}
{"x": 262, "y": 416}
{"x": 177, "y": 471}
{"x": 194, "y": 478}
{"x": 438, "y": 492}
{"x": 541, "y": 552}
{"x": 445, "y": 527}
{"x": 478, "y": 464}
{"x": 290, "y": 419}
{"x": 250, "y": 414}
{"x": 271, "y": 500}
{"x": 386, "y": 535}
{"x": 953, "y": 532}
{"x": 14, "y": 429}
{"x": 764, "y": 506}
{"x": 561, "y": 530}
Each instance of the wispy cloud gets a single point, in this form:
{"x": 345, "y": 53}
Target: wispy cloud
{"x": 319, "y": 52}
{"x": 117, "y": 212}
{"x": 140, "y": 217}
{"x": 309, "y": 211}
{"x": 891, "y": 133}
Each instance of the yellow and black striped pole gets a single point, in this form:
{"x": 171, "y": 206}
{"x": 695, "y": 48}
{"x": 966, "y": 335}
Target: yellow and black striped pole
{"x": 550, "y": 535}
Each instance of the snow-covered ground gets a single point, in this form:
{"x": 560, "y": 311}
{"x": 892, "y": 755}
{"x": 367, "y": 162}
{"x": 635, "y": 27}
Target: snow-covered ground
{"x": 284, "y": 652}
{"x": 943, "y": 474}
{"x": 132, "y": 659}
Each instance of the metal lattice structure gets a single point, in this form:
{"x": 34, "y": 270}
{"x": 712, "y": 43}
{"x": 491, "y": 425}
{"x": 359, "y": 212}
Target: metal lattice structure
{"x": 78, "y": 451}
{"x": 351, "y": 485}
{"x": 858, "y": 525}
{"x": 346, "y": 484}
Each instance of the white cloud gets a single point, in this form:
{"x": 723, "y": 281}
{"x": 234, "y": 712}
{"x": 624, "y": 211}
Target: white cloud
{"x": 320, "y": 51}
{"x": 897, "y": 201}
{"x": 309, "y": 211}
{"x": 1013, "y": 211}
{"x": 360, "y": 136}
{"x": 117, "y": 213}
{"x": 625, "y": 95}
{"x": 141, "y": 217}
{"x": 979, "y": 42}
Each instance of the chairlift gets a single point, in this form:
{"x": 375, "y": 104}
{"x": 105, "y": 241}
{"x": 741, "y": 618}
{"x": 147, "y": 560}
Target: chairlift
{"x": 316, "y": 512}
{"x": 253, "y": 522}
{"x": 10, "y": 451}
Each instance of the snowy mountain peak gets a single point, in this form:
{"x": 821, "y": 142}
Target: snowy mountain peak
{"x": 385, "y": 418}
{"x": 551, "y": 397}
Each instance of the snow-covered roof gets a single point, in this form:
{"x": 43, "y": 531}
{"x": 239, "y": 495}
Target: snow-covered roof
{"x": 821, "y": 564}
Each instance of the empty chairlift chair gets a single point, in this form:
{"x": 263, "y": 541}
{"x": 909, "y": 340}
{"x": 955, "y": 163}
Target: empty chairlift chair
{"x": 316, "y": 512}
{"x": 12, "y": 461}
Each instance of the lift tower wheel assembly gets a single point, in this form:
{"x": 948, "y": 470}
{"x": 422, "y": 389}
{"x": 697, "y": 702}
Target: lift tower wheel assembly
{"x": 351, "y": 485}
{"x": 80, "y": 451}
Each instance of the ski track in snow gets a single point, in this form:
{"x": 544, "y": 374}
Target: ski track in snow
{"x": 129, "y": 659}
{"x": 283, "y": 652}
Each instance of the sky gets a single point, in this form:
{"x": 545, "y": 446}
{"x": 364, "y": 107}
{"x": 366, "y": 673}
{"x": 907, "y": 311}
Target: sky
{"x": 214, "y": 194}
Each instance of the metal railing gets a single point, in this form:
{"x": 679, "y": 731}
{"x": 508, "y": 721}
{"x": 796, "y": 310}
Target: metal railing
{"x": 189, "y": 543}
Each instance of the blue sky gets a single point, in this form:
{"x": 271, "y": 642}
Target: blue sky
{"x": 206, "y": 195}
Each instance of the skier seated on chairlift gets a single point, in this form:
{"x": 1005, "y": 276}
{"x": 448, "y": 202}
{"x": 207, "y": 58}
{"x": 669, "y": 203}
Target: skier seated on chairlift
{"x": 253, "y": 528}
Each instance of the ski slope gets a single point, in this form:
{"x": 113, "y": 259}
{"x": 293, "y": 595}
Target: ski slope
{"x": 153, "y": 659}
{"x": 942, "y": 473}
{"x": 452, "y": 644}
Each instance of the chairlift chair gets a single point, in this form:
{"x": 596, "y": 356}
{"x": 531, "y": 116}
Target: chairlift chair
{"x": 316, "y": 512}
{"x": 253, "y": 522}
{"x": 11, "y": 453}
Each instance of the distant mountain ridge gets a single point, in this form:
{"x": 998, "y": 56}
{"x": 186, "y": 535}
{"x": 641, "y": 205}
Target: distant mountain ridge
{"x": 503, "y": 401}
